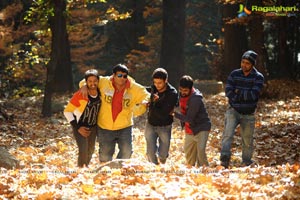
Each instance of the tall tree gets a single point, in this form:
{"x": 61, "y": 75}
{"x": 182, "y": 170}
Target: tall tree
{"x": 295, "y": 43}
{"x": 235, "y": 40}
{"x": 172, "y": 47}
{"x": 123, "y": 34}
{"x": 286, "y": 41}
{"x": 283, "y": 51}
{"x": 203, "y": 25}
{"x": 59, "y": 70}
{"x": 257, "y": 43}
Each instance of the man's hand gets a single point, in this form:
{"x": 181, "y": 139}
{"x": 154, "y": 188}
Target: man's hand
{"x": 84, "y": 91}
{"x": 155, "y": 97}
{"x": 172, "y": 113}
{"x": 84, "y": 131}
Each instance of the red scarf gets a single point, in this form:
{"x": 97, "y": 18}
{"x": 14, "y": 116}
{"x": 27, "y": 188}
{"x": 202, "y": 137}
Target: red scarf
{"x": 117, "y": 100}
{"x": 183, "y": 104}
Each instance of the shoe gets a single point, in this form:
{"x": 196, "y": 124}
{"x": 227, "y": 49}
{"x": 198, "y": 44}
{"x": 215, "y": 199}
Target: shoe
{"x": 162, "y": 160}
{"x": 249, "y": 163}
{"x": 225, "y": 161}
{"x": 155, "y": 161}
{"x": 225, "y": 164}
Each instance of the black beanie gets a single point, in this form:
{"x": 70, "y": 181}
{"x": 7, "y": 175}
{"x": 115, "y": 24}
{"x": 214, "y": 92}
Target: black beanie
{"x": 251, "y": 56}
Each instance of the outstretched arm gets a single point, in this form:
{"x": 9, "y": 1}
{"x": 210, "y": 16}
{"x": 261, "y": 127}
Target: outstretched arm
{"x": 141, "y": 100}
{"x": 196, "y": 105}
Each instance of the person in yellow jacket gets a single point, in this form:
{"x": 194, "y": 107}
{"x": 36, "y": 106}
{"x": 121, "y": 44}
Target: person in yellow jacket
{"x": 122, "y": 99}
{"x": 82, "y": 112}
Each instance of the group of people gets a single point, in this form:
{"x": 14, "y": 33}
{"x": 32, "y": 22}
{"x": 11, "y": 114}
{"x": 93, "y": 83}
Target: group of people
{"x": 104, "y": 108}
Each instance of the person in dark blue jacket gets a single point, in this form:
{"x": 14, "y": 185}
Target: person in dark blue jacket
{"x": 163, "y": 99}
{"x": 195, "y": 121}
{"x": 242, "y": 89}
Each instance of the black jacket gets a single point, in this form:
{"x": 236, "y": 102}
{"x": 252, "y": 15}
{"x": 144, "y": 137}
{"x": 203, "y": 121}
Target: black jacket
{"x": 159, "y": 113}
{"x": 196, "y": 113}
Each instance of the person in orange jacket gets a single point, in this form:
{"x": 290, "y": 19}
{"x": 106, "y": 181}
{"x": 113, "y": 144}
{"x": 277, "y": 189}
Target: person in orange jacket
{"x": 82, "y": 113}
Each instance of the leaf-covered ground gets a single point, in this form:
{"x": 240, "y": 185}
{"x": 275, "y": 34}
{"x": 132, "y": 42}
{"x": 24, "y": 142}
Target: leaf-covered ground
{"x": 48, "y": 154}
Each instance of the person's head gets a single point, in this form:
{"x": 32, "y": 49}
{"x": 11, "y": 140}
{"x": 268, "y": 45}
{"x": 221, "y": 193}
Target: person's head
{"x": 91, "y": 78}
{"x": 120, "y": 73}
{"x": 248, "y": 61}
{"x": 160, "y": 79}
{"x": 185, "y": 85}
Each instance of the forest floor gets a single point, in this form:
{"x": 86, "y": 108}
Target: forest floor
{"x": 48, "y": 155}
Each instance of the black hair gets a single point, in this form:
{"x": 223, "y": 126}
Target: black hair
{"x": 186, "y": 82}
{"x": 91, "y": 72}
{"x": 160, "y": 73}
{"x": 120, "y": 68}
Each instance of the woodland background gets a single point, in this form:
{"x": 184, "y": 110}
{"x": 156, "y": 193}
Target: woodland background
{"x": 46, "y": 45}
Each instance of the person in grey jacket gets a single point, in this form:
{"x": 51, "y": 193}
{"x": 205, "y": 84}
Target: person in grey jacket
{"x": 195, "y": 121}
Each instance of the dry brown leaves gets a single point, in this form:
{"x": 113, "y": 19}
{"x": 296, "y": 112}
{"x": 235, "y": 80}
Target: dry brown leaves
{"x": 48, "y": 157}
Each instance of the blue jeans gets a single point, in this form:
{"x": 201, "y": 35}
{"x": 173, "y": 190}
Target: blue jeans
{"x": 108, "y": 140}
{"x": 163, "y": 135}
{"x": 247, "y": 125}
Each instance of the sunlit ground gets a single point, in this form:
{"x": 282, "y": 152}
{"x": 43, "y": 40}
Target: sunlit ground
{"x": 48, "y": 155}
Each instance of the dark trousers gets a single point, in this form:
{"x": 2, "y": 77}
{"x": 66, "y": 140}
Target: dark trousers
{"x": 86, "y": 146}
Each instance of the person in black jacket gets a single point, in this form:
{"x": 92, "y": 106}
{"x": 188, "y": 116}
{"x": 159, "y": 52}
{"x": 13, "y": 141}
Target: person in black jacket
{"x": 163, "y": 99}
{"x": 195, "y": 121}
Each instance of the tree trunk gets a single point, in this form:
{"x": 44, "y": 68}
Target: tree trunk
{"x": 59, "y": 69}
{"x": 283, "y": 61}
{"x": 172, "y": 48}
{"x": 63, "y": 79}
{"x": 257, "y": 44}
{"x": 46, "y": 109}
{"x": 137, "y": 26}
{"x": 235, "y": 42}
{"x": 286, "y": 42}
{"x": 296, "y": 51}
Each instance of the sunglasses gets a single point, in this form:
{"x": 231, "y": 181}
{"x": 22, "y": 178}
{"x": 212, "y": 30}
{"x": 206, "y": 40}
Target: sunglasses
{"x": 121, "y": 75}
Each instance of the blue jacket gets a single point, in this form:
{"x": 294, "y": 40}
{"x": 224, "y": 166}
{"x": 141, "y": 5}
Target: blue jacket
{"x": 243, "y": 91}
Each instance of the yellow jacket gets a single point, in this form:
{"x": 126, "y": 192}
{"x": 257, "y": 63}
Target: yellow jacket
{"x": 133, "y": 98}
